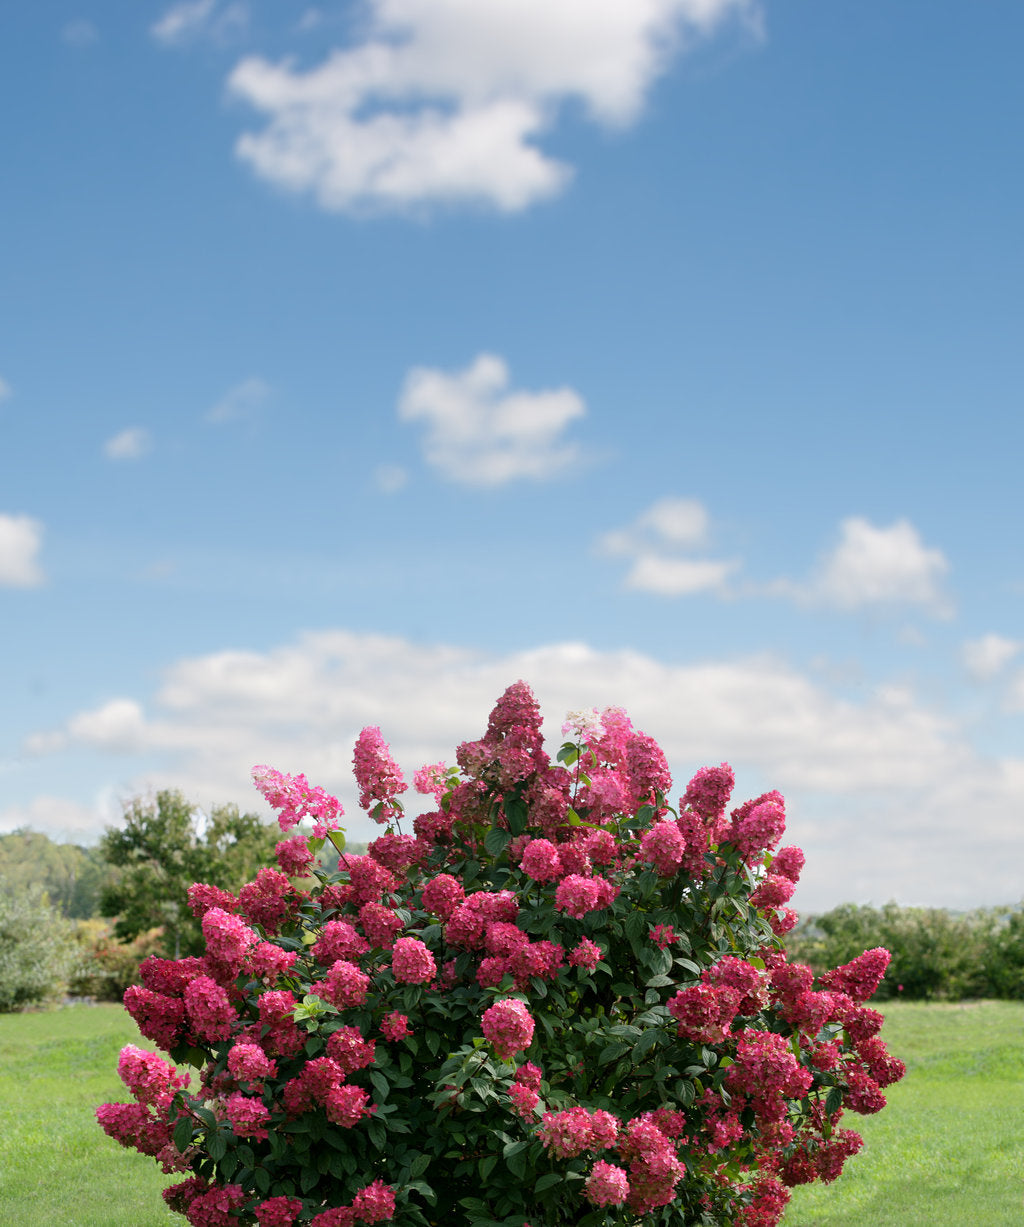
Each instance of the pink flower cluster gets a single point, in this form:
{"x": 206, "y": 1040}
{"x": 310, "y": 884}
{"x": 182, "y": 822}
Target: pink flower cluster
{"x": 294, "y": 799}
{"x": 378, "y": 776}
{"x": 508, "y": 1025}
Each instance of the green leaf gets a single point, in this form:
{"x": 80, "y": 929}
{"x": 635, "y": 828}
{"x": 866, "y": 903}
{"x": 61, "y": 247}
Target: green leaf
{"x": 548, "y": 1181}
{"x": 419, "y": 1166}
{"x": 660, "y": 982}
{"x": 183, "y": 1134}
{"x": 216, "y": 1146}
{"x": 496, "y": 840}
{"x": 645, "y": 1043}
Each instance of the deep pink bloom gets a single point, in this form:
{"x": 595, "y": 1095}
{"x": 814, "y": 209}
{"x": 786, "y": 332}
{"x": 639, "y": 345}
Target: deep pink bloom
{"x": 249, "y": 1063}
{"x": 509, "y": 1027}
{"x": 278, "y": 1212}
{"x": 346, "y": 1104}
{"x": 607, "y": 1185}
{"x": 294, "y": 856}
{"x": 349, "y": 1050}
{"x": 540, "y": 860}
{"x": 861, "y": 977}
{"x": 395, "y": 1026}
{"x": 380, "y": 924}
{"x": 758, "y": 825}
{"x": 375, "y": 1203}
{"x": 344, "y": 985}
{"x": 209, "y": 1010}
{"x": 150, "y": 1078}
{"x": 788, "y": 862}
{"x": 412, "y": 962}
{"x": 663, "y": 846}
{"x": 442, "y": 895}
{"x": 247, "y": 1115}
{"x": 708, "y": 792}
{"x": 587, "y": 954}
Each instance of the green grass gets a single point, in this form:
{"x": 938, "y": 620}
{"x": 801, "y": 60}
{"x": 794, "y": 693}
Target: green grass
{"x": 56, "y": 1164}
{"x": 949, "y": 1148}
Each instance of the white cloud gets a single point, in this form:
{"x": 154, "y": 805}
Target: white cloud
{"x": 481, "y": 434}
{"x": 79, "y": 33}
{"x": 239, "y": 402}
{"x": 21, "y": 538}
{"x": 875, "y": 567}
{"x": 117, "y": 726}
{"x": 444, "y": 101}
{"x": 678, "y": 576}
{"x": 59, "y": 818}
{"x": 877, "y": 789}
{"x": 655, "y": 542}
{"x": 989, "y": 655}
{"x": 129, "y": 444}
{"x": 193, "y": 19}
{"x": 390, "y": 478}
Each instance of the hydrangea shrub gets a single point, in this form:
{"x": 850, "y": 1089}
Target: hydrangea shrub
{"x": 558, "y": 1000}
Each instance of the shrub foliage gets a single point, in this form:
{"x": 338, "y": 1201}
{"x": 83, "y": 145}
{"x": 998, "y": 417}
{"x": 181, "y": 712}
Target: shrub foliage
{"x": 560, "y": 1001}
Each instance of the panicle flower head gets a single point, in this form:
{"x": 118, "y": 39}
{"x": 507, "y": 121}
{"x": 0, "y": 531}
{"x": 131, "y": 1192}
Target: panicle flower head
{"x": 758, "y": 825}
{"x": 708, "y": 793}
{"x": 587, "y": 954}
{"x": 412, "y": 962}
{"x": 860, "y": 977}
{"x": 540, "y": 861}
{"x": 294, "y": 799}
{"x": 150, "y": 1078}
{"x": 375, "y": 1203}
{"x": 442, "y": 895}
{"x": 394, "y": 1026}
{"x": 789, "y": 862}
{"x": 431, "y": 780}
{"x": 607, "y": 1185}
{"x": 663, "y": 846}
{"x": 378, "y": 776}
{"x": 508, "y": 1026}
{"x": 278, "y": 1212}
{"x": 646, "y": 769}
{"x": 294, "y": 856}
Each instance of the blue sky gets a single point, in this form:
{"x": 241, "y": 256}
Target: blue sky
{"x": 358, "y": 359}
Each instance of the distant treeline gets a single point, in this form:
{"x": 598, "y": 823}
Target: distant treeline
{"x": 936, "y": 954}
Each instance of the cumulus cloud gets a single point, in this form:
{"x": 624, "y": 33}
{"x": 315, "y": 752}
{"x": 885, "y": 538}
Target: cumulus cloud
{"x": 986, "y": 657}
{"x": 877, "y": 788}
{"x": 445, "y": 102}
{"x": 656, "y": 543}
{"x": 79, "y": 33}
{"x": 480, "y": 433}
{"x": 239, "y": 402}
{"x": 60, "y": 818}
{"x": 194, "y": 19}
{"x": 130, "y": 444}
{"x": 21, "y": 539}
{"x": 875, "y": 567}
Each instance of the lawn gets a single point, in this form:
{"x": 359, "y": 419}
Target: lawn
{"x": 949, "y": 1149}
{"x": 56, "y": 1165}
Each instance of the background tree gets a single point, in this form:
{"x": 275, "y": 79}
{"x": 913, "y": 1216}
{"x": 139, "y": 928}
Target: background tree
{"x": 38, "y": 952}
{"x": 165, "y": 845}
{"x": 70, "y": 876}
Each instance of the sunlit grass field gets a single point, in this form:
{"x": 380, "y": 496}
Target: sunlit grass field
{"x": 948, "y": 1150}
